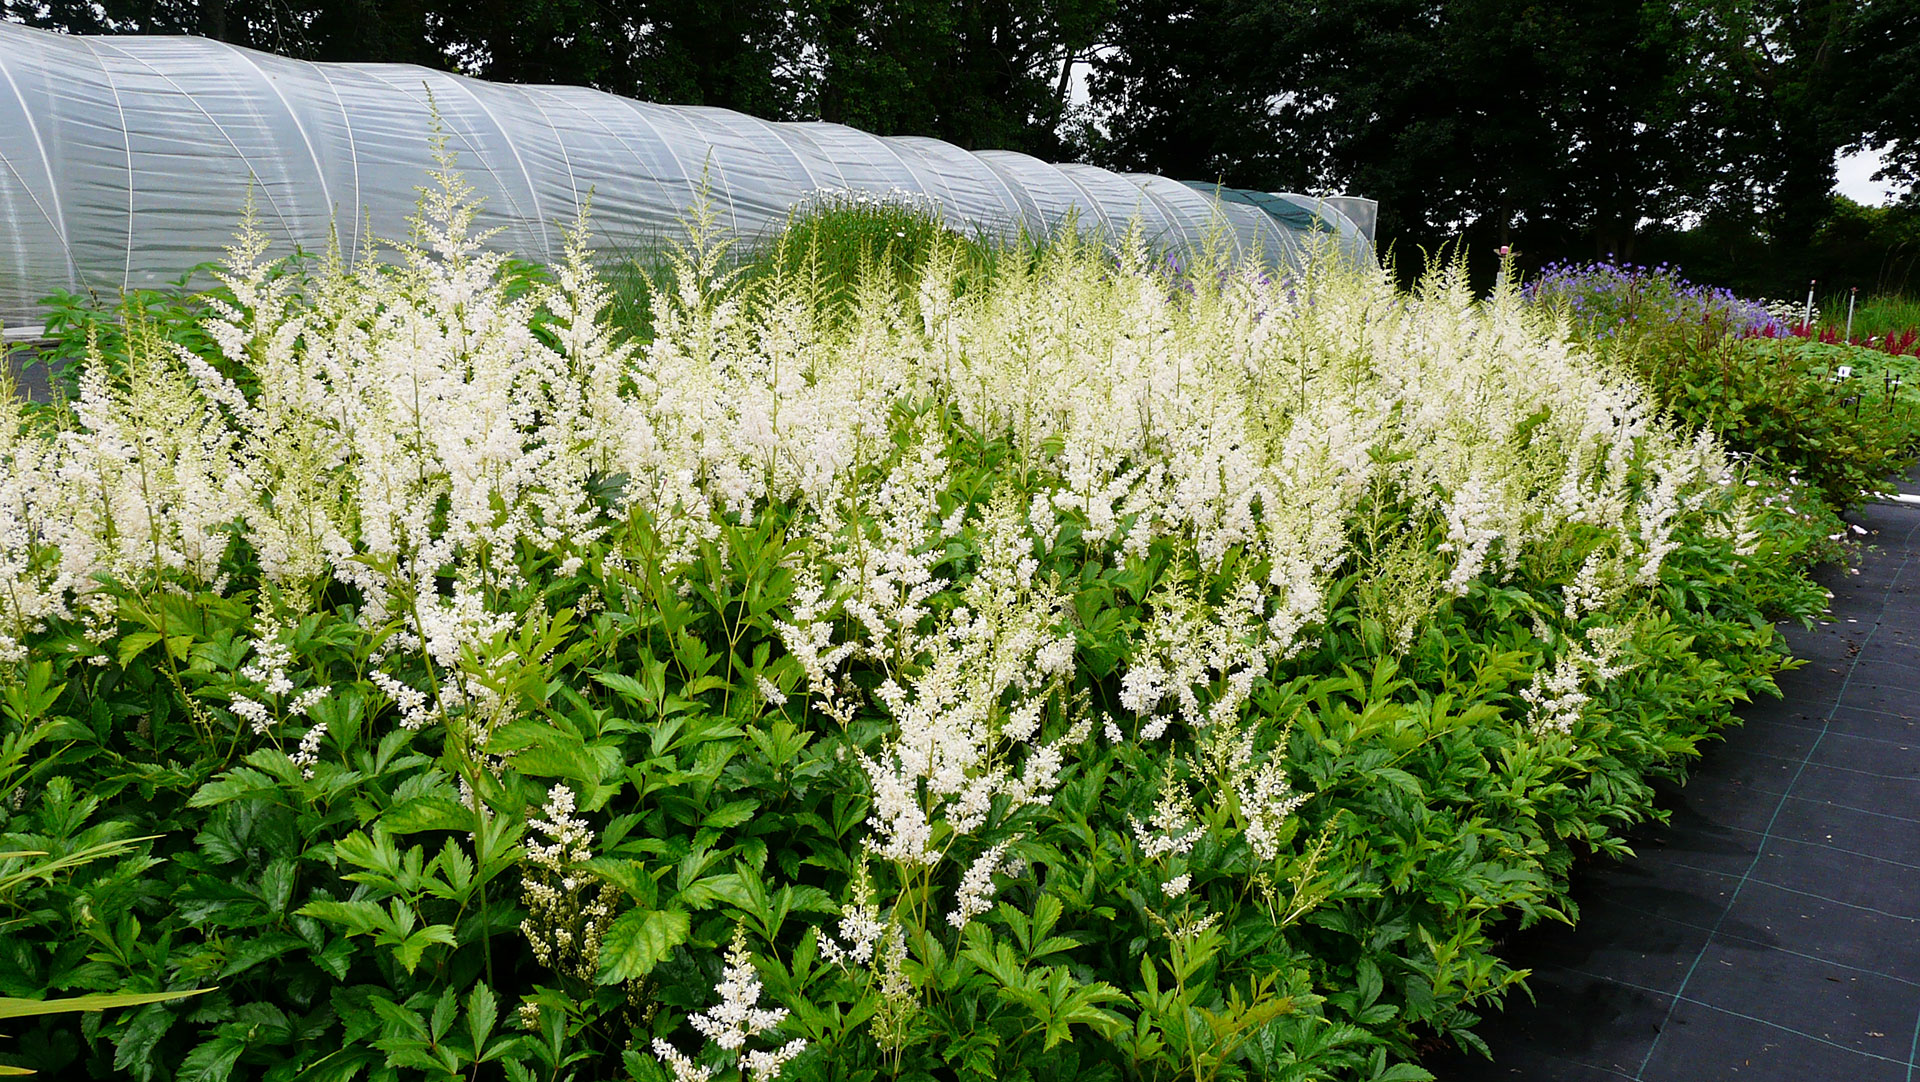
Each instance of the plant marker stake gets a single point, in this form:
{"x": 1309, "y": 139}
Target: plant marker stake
{"x": 1851, "y": 298}
{"x": 1808, "y": 320}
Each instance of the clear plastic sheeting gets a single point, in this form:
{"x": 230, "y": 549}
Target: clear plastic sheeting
{"x": 125, "y": 161}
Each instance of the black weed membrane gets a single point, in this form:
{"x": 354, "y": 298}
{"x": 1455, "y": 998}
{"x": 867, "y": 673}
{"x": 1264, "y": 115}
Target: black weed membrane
{"x": 1770, "y": 931}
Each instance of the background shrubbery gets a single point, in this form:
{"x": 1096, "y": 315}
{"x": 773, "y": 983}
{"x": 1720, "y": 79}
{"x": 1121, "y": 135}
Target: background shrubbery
{"x": 1806, "y": 405}
{"x": 875, "y": 665}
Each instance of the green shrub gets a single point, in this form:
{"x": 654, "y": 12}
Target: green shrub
{"x": 1796, "y": 405}
{"x": 1874, "y": 316}
{"x": 1067, "y": 671}
{"x": 842, "y": 238}
{"x": 1838, "y": 417}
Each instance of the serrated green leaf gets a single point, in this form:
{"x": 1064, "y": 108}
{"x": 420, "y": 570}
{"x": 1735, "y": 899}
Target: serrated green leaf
{"x": 626, "y": 686}
{"x": 715, "y": 889}
{"x": 134, "y": 1043}
{"x": 814, "y": 900}
{"x": 1399, "y": 779}
{"x": 482, "y": 1012}
{"x": 276, "y": 885}
{"x": 334, "y": 958}
{"x": 638, "y": 941}
{"x": 253, "y": 950}
{"x": 132, "y": 646}
{"x": 212, "y": 1061}
{"x": 441, "y": 1019}
{"x": 359, "y": 917}
{"x": 631, "y": 876}
{"x": 428, "y": 813}
{"x": 411, "y": 948}
{"x": 232, "y": 785}
{"x": 730, "y": 814}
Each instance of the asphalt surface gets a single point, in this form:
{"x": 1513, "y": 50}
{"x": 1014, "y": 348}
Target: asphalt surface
{"x": 1771, "y": 931}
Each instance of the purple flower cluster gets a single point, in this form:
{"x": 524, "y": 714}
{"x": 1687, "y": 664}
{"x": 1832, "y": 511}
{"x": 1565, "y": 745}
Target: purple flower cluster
{"x": 1605, "y": 298}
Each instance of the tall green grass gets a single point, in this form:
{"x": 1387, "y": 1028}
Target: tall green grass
{"x": 1875, "y": 315}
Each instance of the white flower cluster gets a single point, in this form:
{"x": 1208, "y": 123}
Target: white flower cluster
{"x": 861, "y": 926}
{"x": 991, "y": 666}
{"x": 270, "y": 660}
{"x": 252, "y": 711}
{"x": 568, "y": 908}
{"x": 1557, "y": 696}
{"x": 1188, "y": 645}
{"x": 408, "y": 436}
{"x": 730, "y": 1022}
{"x": 308, "y": 755}
{"x": 1173, "y": 831}
{"x": 415, "y": 713}
{"x": 1267, "y": 799}
{"x": 1791, "y": 313}
{"x": 268, "y": 672}
{"x": 977, "y": 886}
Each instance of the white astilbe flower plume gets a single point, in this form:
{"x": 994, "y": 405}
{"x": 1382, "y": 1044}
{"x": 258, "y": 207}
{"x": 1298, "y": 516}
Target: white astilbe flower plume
{"x": 308, "y": 755}
{"x": 683, "y": 1068}
{"x": 1267, "y": 800}
{"x": 1200, "y": 660}
{"x": 569, "y": 909}
{"x": 730, "y": 1022}
{"x": 976, "y": 887}
{"x": 861, "y": 925}
{"x": 964, "y": 718}
{"x": 1558, "y": 695}
{"x": 1172, "y": 831}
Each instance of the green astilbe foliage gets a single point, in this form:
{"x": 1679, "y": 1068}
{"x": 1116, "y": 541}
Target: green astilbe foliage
{"x": 26, "y": 705}
{"x": 1084, "y": 669}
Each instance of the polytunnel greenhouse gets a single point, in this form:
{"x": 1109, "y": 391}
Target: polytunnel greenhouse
{"x": 127, "y": 160}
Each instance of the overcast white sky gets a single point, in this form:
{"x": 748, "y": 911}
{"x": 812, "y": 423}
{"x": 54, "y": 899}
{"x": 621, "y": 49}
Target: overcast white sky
{"x": 1856, "y": 180}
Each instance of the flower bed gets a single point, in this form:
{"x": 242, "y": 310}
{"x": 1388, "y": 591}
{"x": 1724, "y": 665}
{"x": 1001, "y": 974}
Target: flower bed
{"x": 1085, "y": 669}
{"x": 1837, "y": 415}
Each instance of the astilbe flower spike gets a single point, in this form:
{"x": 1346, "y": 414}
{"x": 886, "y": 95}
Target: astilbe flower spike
{"x": 730, "y": 1022}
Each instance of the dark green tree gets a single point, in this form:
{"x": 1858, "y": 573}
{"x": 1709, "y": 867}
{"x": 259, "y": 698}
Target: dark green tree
{"x": 980, "y": 73}
{"x": 1200, "y": 85}
{"x": 745, "y": 56}
{"x": 1783, "y": 83}
{"x": 1482, "y": 115}
{"x": 1886, "y": 67}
